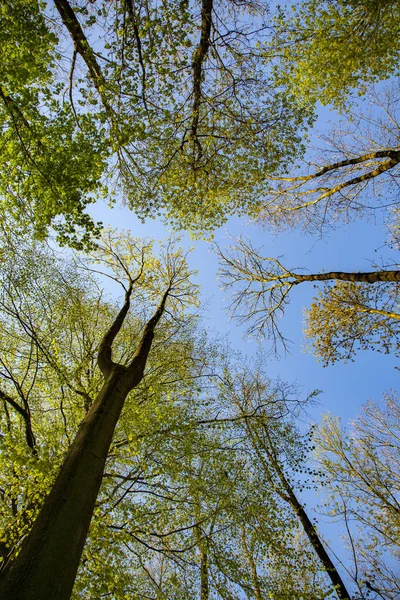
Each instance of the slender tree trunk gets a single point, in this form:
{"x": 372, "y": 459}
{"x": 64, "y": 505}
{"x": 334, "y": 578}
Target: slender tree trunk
{"x": 287, "y": 494}
{"x": 202, "y": 546}
{"x": 253, "y": 567}
{"x": 204, "y": 595}
{"x": 312, "y": 534}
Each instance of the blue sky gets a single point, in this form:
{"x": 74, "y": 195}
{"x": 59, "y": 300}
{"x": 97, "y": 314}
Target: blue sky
{"x": 350, "y": 248}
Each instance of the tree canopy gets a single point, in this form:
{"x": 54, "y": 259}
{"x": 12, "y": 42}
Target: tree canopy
{"x": 330, "y": 50}
{"x": 166, "y": 106}
{"x": 142, "y": 457}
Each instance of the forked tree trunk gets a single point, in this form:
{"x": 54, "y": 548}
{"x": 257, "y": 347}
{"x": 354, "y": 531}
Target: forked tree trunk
{"x": 46, "y": 567}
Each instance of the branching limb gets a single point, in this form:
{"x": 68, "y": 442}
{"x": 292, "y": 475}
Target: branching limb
{"x": 133, "y": 19}
{"x": 24, "y": 413}
{"x": 104, "y": 359}
{"x": 261, "y": 287}
{"x": 83, "y": 48}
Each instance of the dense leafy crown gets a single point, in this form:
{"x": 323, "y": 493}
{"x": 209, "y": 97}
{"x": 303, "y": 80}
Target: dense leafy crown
{"x": 331, "y": 47}
{"x": 169, "y": 105}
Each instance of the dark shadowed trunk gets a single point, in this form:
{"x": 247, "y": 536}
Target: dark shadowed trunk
{"x": 46, "y": 566}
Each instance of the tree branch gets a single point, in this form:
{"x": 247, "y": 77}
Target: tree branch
{"x": 138, "y": 362}
{"x": 30, "y": 438}
{"x": 104, "y": 359}
{"x": 84, "y": 49}
{"x": 199, "y": 57}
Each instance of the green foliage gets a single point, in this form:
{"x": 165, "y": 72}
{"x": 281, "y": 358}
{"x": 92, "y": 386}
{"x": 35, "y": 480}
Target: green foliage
{"x": 347, "y": 317}
{"x": 329, "y": 49}
{"x": 142, "y": 124}
{"x": 50, "y": 167}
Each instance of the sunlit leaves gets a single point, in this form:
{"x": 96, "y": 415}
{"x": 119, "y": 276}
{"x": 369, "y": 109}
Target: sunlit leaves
{"x": 347, "y": 317}
{"x": 331, "y": 49}
{"x": 361, "y": 466}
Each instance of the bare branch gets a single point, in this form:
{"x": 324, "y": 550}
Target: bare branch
{"x": 261, "y": 287}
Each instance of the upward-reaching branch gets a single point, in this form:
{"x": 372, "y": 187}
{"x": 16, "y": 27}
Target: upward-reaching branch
{"x": 104, "y": 359}
{"x": 138, "y": 362}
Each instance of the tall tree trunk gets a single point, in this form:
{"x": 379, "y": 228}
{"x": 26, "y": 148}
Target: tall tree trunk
{"x": 287, "y": 494}
{"x": 46, "y": 567}
{"x": 253, "y": 567}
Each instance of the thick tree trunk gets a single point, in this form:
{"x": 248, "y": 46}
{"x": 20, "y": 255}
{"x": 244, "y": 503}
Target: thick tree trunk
{"x": 47, "y": 564}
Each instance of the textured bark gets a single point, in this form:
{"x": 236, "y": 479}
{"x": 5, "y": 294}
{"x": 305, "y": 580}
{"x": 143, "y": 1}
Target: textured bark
{"x": 47, "y": 564}
{"x": 369, "y": 277}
